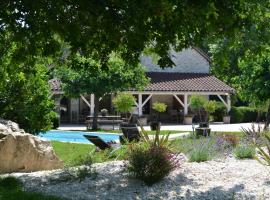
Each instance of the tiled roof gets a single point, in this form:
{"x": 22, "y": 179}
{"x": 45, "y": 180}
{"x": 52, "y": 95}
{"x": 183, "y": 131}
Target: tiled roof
{"x": 175, "y": 82}
{"x": 186, "y": 82}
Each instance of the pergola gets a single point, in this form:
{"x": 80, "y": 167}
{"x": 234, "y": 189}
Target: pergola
{"x": 183, "y": 84}
{"x": 179, "y": 85}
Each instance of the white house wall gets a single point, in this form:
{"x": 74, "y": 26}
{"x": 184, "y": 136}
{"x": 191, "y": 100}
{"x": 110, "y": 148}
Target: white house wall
{"x": 186, "y": 61}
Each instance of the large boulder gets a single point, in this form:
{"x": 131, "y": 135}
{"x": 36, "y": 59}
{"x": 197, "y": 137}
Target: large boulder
{"x": 7, "y": 126}
{"x": 23, "y": 152}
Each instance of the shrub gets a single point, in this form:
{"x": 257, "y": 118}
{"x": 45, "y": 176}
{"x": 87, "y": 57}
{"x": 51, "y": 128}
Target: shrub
{"x": 82, "y": 172}
{"x": 244, "y": 151}
{"x": 56, "y": 121}
{"x": 244, "y": 114}
{"x": 253, "y": 133}
{"x": 200, "y": 153}
{"x": 150, "y": 163}
{"x": 219, "y": 112}
{"x": 124, "y": 102}
{"x": 159, "y": 107}
{"x": 233, "y": 140}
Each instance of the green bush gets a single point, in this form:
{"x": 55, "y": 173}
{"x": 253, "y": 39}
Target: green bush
{"x": 124, "y": 102}
{"x": 200, "y": 154}
{"x": 244, "y": 151}
{"x": 244, "y": 114}
{"x": 219, "y": 112}
{"x": 150, "y": 163}
{"x": 56, "y": 121}
{"x": 159, "y": 107}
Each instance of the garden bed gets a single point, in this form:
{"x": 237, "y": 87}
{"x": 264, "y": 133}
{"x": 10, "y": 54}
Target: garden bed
{"x": 217, "y": 179}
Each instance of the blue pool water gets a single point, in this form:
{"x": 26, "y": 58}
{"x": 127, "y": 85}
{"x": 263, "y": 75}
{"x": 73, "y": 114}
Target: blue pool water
{"x": 76, "y": 136}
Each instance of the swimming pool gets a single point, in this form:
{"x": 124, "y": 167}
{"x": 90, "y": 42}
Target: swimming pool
{"x": 77, "y": 136}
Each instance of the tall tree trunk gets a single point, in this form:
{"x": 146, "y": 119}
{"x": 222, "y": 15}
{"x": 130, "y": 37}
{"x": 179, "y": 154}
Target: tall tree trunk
{"x": 267, "y": 120}
{"x": 96, "y": 110}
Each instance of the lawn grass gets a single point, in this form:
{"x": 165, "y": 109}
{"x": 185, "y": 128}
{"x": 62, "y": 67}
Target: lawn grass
{"x": 11, "y": 189}
{"x": 73, "y": 153}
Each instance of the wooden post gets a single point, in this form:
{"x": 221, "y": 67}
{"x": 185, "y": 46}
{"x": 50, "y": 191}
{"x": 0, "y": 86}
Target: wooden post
{"x": 92, "y": 104}
{"x": 185, "y": 104}
{"x": 140, "y": 104}
{"x": 228, "y": 103}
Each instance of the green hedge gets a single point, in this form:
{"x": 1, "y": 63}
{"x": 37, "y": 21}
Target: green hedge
{"x": 219, "y": 112}
{"x": 244, "y": 114}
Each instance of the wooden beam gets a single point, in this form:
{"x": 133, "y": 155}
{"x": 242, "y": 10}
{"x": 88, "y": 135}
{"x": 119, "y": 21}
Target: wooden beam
{"x": 146, "y": 100}
{"x": 223, "y": 101}
{"x": 179, "y": 100}
{"x": 85, "y": 100}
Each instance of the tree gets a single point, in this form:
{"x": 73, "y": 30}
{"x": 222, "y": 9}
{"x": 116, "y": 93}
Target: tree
{"x": 123, "y": 26}
{"x": 243, "y": 62}
{"x": 86, "y": 75}
{"x": 24, "y": 93}
{"x": 124, "y": 103}
{"x": 196, "y": 103}
{"x": 159, "y": 108}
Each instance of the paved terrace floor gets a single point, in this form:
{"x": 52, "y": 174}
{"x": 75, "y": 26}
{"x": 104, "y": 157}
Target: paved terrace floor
{"x": 220, "y": 127}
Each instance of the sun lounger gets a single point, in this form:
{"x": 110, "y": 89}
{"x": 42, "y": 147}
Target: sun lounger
{"x": 130, "y": 133}
{"x": 97, "y": 141}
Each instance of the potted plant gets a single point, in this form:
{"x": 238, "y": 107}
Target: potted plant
{"x": 124, "y": 103}
{"x": 188, "y": 119}
{"x": 104, "y": 112}
{"x": 196, "y": 103}
{"x": 226, "y": 118}
{"x": 159, "y": 108}
{"x": 200, "y": 104}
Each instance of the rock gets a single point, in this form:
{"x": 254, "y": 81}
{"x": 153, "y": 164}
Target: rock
{"x": 23, "y": 152}
{"x": 9, "y": 126}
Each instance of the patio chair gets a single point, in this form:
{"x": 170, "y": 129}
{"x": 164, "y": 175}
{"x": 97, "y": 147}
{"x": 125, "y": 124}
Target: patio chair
{"x": 97, "y": 141}
{"x": 130, "y": 133}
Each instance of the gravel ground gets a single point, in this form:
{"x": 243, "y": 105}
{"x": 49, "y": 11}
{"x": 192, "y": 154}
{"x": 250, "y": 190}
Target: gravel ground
{"x": 219, "y": 179}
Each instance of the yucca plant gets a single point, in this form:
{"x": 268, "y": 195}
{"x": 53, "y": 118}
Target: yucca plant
{"x": 158, "y": 140}
{"x": 264, "y": 156}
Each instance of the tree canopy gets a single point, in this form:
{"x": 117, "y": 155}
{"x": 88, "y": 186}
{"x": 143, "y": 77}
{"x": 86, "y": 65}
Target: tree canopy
{"x": 243, "y": 61}
{"x": 88, "y": 76}
{"x": 123, "y": 26}
{"x": 24, "y": 93}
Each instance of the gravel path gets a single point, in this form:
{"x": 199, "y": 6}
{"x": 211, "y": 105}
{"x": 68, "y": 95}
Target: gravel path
{"x": 219, "y": 179}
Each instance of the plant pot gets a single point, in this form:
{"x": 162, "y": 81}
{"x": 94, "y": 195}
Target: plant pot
{"x": 143, "y": 121}
{"x": 188, "y": 120}
{"x": 227, "y": 119}
{"x": 103, "y": 114}
{"x": 203, "y": 125}
{"x": 154, "y": 125}
{"x": 202, "y": 132}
